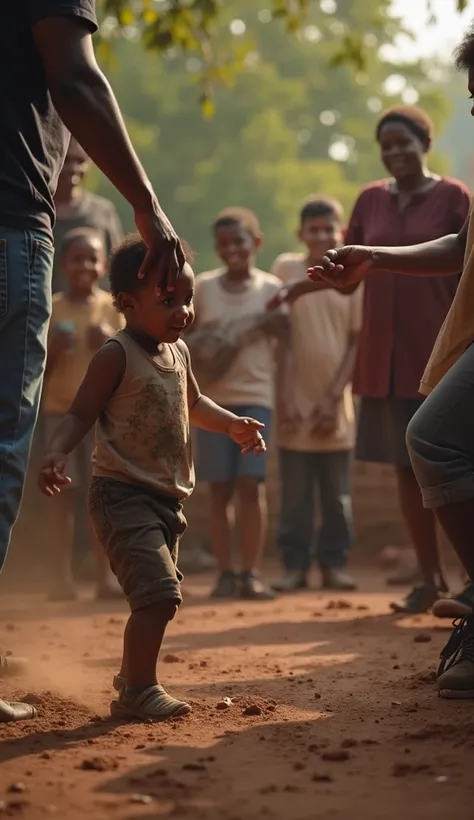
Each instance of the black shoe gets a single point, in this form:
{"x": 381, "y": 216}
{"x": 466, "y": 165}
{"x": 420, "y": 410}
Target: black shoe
{"x": 456, "y": 670}
{"x": 460, "y": 606}
{"x": 253, "y": 589}
{"x": 419, "y": 600}
{"x": 226, "y": 586}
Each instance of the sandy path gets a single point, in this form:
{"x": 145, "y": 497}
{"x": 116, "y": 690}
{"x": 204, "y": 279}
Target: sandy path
{"x": 351, "y": 684}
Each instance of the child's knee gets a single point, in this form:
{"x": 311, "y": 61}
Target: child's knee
{"x": 163, "y": 611}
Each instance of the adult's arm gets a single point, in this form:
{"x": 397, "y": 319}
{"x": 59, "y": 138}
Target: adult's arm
{"x": 344, "y": 268}
{"x": 87, "y": 105}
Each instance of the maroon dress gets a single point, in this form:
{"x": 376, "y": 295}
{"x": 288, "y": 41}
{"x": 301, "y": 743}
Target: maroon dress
{"x": 402, "y": 314}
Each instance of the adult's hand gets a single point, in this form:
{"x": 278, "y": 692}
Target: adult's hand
{"x": 164, "y": 246}
{"x": 343, "y": 267}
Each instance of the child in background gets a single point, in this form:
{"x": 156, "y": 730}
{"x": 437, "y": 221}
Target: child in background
{"x": 140, "y": 392}
{"x": 316, "y": 424}
{"x": 230, "y": 294}
{"x": 83, "y": 318}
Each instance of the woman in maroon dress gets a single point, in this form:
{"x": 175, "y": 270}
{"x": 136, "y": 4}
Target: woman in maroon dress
{"x": 402, "y": 317}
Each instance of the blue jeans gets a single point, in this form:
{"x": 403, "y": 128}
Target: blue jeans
{"x": 300, "y": 475}
{"x": 26, "y": 264}
{"x": 440, "y": 438}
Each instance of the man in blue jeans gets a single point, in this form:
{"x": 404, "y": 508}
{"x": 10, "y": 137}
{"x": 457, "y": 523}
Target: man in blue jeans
{"x": 53, "y": 87}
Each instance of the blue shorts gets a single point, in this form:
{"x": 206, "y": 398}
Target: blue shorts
{"x": 218, "y": 458}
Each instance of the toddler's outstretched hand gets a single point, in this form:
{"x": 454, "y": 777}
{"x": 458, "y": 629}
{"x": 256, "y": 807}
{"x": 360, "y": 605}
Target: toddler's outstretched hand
{"x": 246, "y": 433}
{"x": 52, "y": 476}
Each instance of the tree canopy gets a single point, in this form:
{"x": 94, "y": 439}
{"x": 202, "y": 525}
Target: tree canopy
{"x": 285, "y": 126}
{"x": 196, "y": 27}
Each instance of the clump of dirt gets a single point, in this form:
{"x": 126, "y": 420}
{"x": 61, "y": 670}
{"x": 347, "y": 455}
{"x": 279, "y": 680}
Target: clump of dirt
{"x": 406, "y": 769}
{"x": 98, "y": 764}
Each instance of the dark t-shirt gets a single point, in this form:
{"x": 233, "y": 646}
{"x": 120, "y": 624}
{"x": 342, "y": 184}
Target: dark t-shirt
{"x": 33, "y": 140}
{"x": 403, "y": 314}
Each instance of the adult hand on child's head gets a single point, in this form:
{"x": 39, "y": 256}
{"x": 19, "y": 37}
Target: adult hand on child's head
{"x": 164, "y": 247}
{"x": 342, "y": 267}
{"x": 246, "y": 433}
{"x": 52, "y": 476}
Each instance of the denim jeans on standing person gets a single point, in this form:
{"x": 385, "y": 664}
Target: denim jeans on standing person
{"x": 301, "y": 476}
{"x": 26, "y": 263}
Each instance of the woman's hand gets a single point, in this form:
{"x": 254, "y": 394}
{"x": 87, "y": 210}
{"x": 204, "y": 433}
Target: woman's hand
{"x": 342, "y": 267}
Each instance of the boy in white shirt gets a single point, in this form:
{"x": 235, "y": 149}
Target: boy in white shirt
{"x": 316, "y": 422}
{"x": 235, "y": 293}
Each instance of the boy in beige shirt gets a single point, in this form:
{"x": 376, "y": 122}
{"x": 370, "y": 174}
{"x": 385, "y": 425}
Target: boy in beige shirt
{"x": 316, "y": 424}
{"x": 234, "y": 293}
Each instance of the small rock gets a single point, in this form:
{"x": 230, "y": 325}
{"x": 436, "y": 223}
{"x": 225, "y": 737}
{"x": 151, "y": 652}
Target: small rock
{"x": 194, "y": 767}
{"x": 253, "y": 710}
{"x": 204, "y": 664}
{"x": 98, "y": 764}
{"x": 144, "y": 799}
{"x": 322, "y": 778}
{"x": 349, "y": 743}
{"x": 336, "y": 755}
{"x": 170, "y": 658}
{"x": 17, "y": 788}
{"x": 317, "y": 695}
{"x": 223, "y": 704}
{"x": 441, "y": 779}
{"x": 46, "y": 755}
{"x": 422, "y": 638}
{"x": 396, "y": 703}
{"x": 299, "y": 767}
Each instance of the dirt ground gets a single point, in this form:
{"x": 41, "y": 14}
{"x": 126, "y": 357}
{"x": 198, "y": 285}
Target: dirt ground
{"x": 333, "y": 714}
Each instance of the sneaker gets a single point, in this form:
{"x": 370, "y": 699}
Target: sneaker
{"x": 456, "y": 670}
{"x": 460, "y": 606}
{"x": 292, "y": 580}
{"x": 252, "y": 588}
{"x": 226, "y": 586}
{"x": 338, "y": 579}
{"x": 153, "y": 704}
{"x": 419, "y": 600}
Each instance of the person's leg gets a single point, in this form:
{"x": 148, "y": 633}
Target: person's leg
{"x": 216, "y": 462}
{"x": 336, "y": 535}
{"x": 26, "y": 260}
{"x": 440, "y": 439}
{"x": 420, "y": 523}
{"x": 296, "y": 525}
{"x": 140, "y": 532}
{"x": 252, "y": 510}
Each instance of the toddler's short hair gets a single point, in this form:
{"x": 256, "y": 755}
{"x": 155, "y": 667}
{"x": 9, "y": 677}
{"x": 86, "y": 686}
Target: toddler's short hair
{"x": 126, "y": 262}
{"x": 238, "y": 216}
{"x": 315, "y": 206}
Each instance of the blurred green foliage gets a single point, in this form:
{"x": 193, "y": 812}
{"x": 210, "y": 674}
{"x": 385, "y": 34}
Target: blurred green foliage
{"x": 286, "y": 125}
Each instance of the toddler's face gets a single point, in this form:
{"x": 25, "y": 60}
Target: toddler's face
{"x": 320, "y": 233}
{"x": 84, "y": 264}
{"x": 164, "y": 317}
